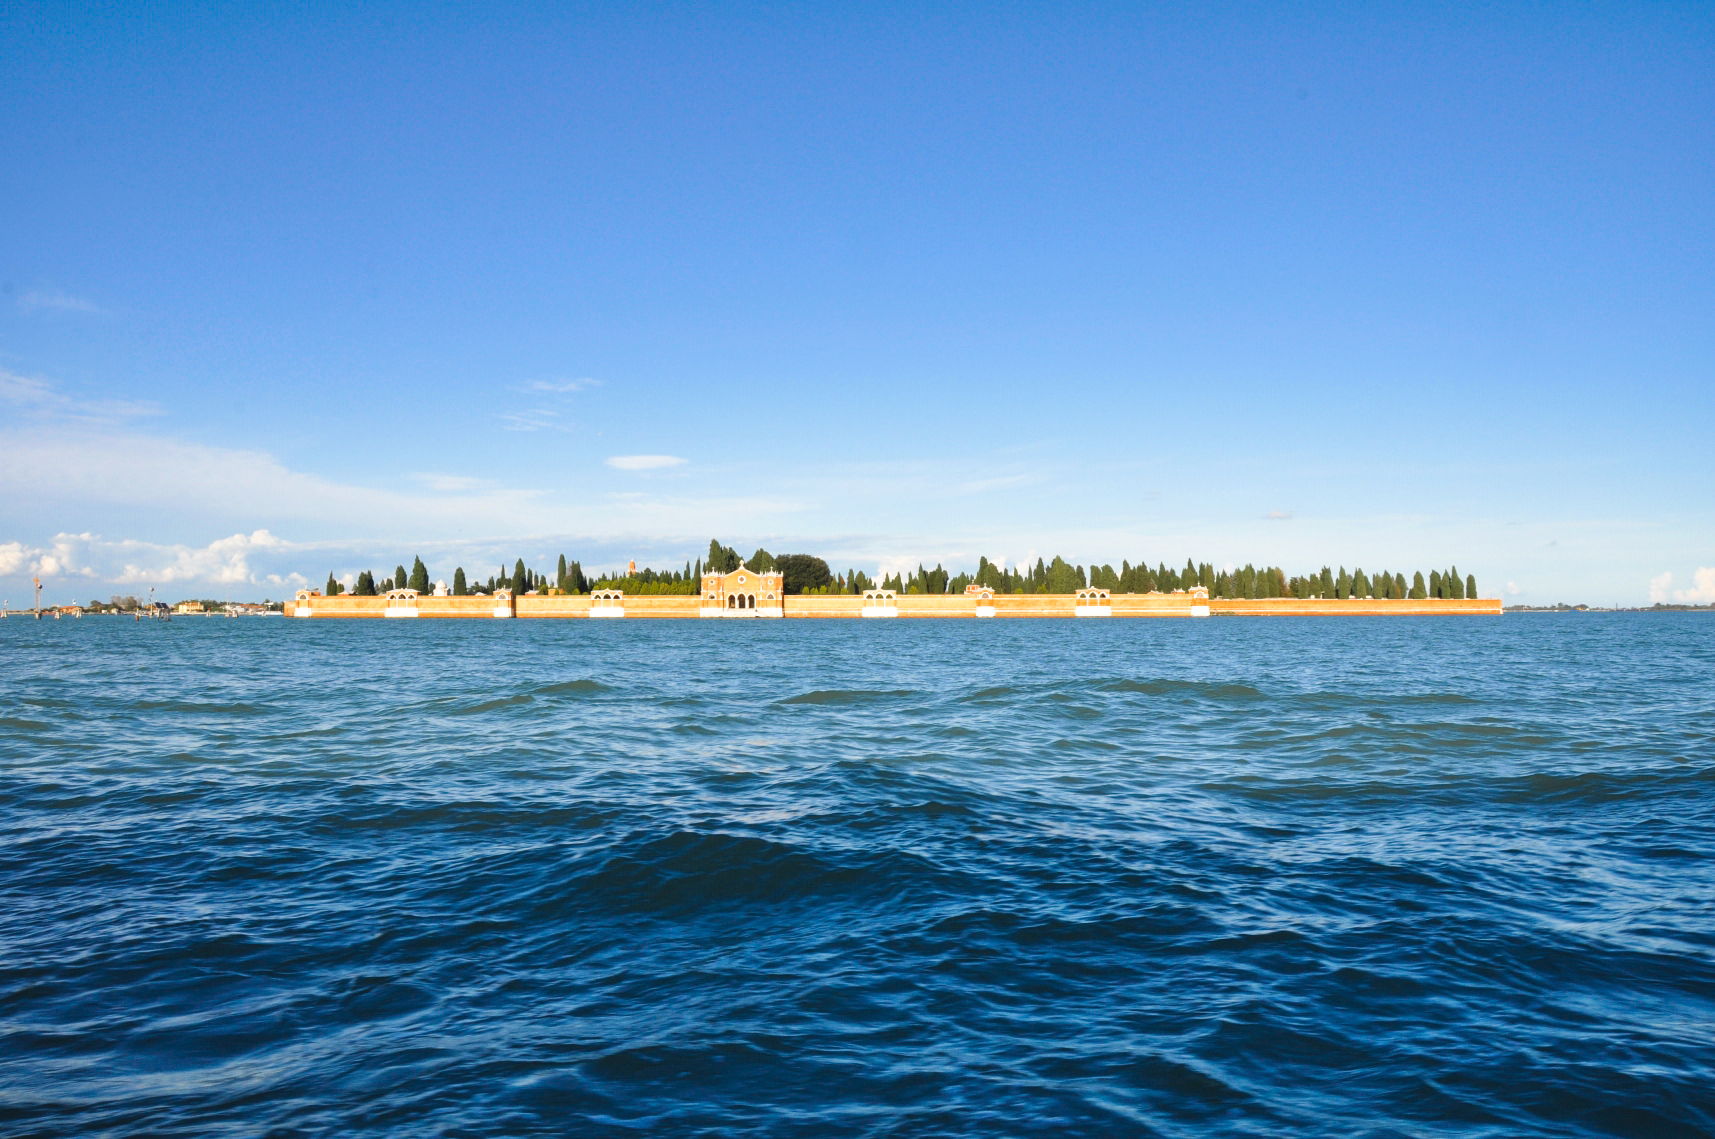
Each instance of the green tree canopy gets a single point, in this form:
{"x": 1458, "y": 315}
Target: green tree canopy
{"x": 1063, "y": 578}
{"x": 803, "y": 571}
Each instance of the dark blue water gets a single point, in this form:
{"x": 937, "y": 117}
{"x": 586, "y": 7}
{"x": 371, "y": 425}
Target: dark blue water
{"x": 1237, "y": 877}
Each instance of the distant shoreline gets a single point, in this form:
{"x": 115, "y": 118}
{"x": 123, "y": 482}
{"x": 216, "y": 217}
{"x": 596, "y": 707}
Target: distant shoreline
{"x": 772, "y": 603}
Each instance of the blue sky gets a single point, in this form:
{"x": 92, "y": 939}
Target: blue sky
{"x": 1392, "y": 286}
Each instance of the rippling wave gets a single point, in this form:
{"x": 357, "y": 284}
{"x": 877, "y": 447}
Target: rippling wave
{"x": 1265, "y": 877}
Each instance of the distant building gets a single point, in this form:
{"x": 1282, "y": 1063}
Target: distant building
{"x": 189, "y": 607}
{"x": 743, "y": 593}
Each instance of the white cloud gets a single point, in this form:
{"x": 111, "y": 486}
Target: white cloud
{"x": 453, "y": 484}
{"x": 71, "y": 468}
{"x": 128, "y": 561}
{"x": 644, "y": 462}
{"x": 36, "y": 398}
{"x": 1277, "y": 516}
{"x": 225, "y": 561}
{"x": 13, "y": 557}
{"x": 67, "y": 470}
{"x": 532, "y": 419}
{"x": 999, "y": 482}
{"x": 65, "y": 556}
{"x": 559, "y": 387}
{"x": 1702, "y": 591}
{"x": 53, "y": 300}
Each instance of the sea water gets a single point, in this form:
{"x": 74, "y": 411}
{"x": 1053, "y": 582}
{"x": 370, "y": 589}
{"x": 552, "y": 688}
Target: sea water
{"x": 1396, "y": 876}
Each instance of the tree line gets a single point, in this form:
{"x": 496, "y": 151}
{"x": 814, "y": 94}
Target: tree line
{"x": 809, "y": 574}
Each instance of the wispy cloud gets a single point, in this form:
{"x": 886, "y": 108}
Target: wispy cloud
{"x": 1000, "y": 482}
{"x": 38, "y": 398}
{"x": 644, "y": 462}
{"x": 559, "y": 387}
{"x": 53, "y": 300}
{"x": 453, "y": 484}
{"x": 1278, "y": 516}
{"x": 533, "y": 419}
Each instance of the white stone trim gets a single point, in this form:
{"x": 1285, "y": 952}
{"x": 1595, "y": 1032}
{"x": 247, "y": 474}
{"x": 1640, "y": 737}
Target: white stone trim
{"x": 880, "y": 603}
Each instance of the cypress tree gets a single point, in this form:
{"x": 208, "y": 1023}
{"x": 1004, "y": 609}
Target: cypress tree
{"x": 332, "y": 589}
{"x": 1360, "y": 584}
{"x": 419, "y": 576}
{"x": 560, "y": 574}
{"x": 519, "y": 581}
{"x": 1343, "y": 585}
{"x": 1470, "y": 585}
{"x": 1418, "y": 592}
{"x": 459, "y": 587}
{"x": 1062, "y": 578}
{"x": 1435, "y": 583}
{"x": 1455, "y": 586}
{"x": 722, "y": 559}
